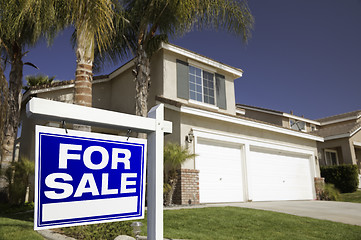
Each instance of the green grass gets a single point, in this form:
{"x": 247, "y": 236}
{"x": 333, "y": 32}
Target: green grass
{"x": 241, "y": 223}
{"x": 203, "y": 223}
{"x": 351, "y": 197}
{"x": 16, "y": 223}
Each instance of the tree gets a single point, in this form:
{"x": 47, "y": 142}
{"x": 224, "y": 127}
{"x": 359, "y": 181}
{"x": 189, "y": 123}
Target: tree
{"x": 174, "y": 156}
{"x": 151, "y": 22}
{"x": 37, "y": 80}
{"x": 93, "y": 23}
{"x": 3, "y": 105}
{"x": 22, "y": 24}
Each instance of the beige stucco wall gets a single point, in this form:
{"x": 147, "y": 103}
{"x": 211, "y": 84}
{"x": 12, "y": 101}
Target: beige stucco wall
{"x": 65, "y": 94}
{"x": 170, "y": 85}
{"x": 341, "y": 145}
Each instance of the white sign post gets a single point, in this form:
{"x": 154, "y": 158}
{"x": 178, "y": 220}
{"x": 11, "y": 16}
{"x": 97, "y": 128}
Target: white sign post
{"x": 154, "y": 126}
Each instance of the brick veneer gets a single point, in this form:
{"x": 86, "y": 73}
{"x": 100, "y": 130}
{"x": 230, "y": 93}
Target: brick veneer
{"x": 319, "y": 183}
{"x": 187, "y": 188}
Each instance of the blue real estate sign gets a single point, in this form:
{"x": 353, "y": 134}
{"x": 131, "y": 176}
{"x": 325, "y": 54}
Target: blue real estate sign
{"x": 84, "y": 178}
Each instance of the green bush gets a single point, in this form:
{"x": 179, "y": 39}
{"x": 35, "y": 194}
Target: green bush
{"x": 329, "y": 193}
{"x": 344, "y": 177}
{"x": 17, "y": 178}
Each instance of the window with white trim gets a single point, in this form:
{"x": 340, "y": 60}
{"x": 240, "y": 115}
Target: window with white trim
{"x": 297, "y": 125}
{"x": 201, "y": 85}
{"x": 331, "y": 157}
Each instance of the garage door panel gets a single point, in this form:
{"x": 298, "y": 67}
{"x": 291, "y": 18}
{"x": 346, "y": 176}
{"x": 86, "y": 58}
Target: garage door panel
{"x": 280, "y": 176}
{"x": 220, "y": 171}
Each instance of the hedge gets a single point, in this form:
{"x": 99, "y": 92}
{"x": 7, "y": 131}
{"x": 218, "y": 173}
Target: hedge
{"x": 344, "y": 177}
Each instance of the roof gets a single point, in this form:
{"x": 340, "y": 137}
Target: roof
{"x": 242, "y": 119}
{"x": 340, "y": 117}
{"x": 341, "y": 130}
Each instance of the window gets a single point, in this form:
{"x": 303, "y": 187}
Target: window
{"x": 331, "y": 157}
{"x": 196, "y": 84}
{"x": 201, "y": 85}
{"x": 297, "y": 125}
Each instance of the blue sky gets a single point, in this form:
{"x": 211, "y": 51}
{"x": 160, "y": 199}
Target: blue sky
{"x": 304, "y": 56}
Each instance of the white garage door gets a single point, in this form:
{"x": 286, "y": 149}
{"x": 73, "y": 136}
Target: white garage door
{"x": 220, "y": 172}
{"x": 279, "y": 176}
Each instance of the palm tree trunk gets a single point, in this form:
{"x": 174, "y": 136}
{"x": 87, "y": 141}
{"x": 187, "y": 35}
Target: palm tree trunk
{"x": 84, "y": 70}
{"x": 14, "y": 104}
{"x": 84, "y": 73}
{"x": 142, "y": 81}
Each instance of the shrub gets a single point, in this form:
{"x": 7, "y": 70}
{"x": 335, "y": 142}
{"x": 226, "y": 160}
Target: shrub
{"x": 329, "y": 193}
{"x": 17, "y": 177}
{"x": 344, "y": 177}
{"x": 174, "y": 156}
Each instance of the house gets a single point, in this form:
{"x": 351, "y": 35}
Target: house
{"x": 341, "y": 133}
{"x": 238, "y": 158}
{"x": 342, "y": 136}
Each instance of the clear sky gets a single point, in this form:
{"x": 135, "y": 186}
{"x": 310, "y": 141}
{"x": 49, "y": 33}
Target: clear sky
{"x": 304, "y": 56}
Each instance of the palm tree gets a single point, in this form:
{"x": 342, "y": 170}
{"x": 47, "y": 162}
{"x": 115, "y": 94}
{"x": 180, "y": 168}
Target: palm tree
{"x": 93, "y": 23}
{"x": 37, "y": 80}
{"x": 151, "y": 22}
{"x": 22, "y": 23}
{"x": 174, "y": 156}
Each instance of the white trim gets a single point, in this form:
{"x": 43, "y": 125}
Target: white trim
{"x": 341, "y": 120}
{"x": 122, "y": 69}
{"x": 248, "y": 123}
{"x": 344, "y": 135}
{"x": 202, "y": 66}
{"x": 235, "y": 71}
{"x": 357, "y": 144}
{"x": 301, "y": 119}
{"x": 203, "y": 104}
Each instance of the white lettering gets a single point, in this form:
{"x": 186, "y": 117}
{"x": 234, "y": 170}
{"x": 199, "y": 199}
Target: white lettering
{"x": 105, "y": 189}
{"x": 124, "y": 183}
{"x": 116, "y": 159}
{"x": 87, "y": 178}
{"x": 51, "y": 183}
{"x": 87, "y": 157}
{"x": 64, "y": 156}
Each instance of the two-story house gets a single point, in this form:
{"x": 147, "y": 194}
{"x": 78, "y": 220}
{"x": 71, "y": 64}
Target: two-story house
{"x": 238, "y": 158}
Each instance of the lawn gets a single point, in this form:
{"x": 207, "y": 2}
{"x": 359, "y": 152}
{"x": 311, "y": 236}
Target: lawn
{"x": 203, "y": 223}
{"x": 351, "y": 197}
{"x": 17, "y": 223}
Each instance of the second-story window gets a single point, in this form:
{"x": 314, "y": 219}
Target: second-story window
{"x": 201, "y": 85}
{"x": 297, "y": 125}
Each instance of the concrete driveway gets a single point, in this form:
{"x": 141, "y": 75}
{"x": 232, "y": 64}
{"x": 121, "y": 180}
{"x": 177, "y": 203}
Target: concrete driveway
{"x": 345, "y": 212}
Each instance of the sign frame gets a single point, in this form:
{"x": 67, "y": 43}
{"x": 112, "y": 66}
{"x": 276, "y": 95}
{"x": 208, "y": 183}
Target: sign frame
{"x": 69, "y": 213}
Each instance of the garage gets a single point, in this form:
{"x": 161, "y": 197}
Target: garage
{"x": 220, "y": 171}
{"x": 276, "y": 175}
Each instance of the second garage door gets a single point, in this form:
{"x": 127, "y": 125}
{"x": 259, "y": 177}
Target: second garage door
{"x": 220, "y": 171}
{"x": 279, "y": 176}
